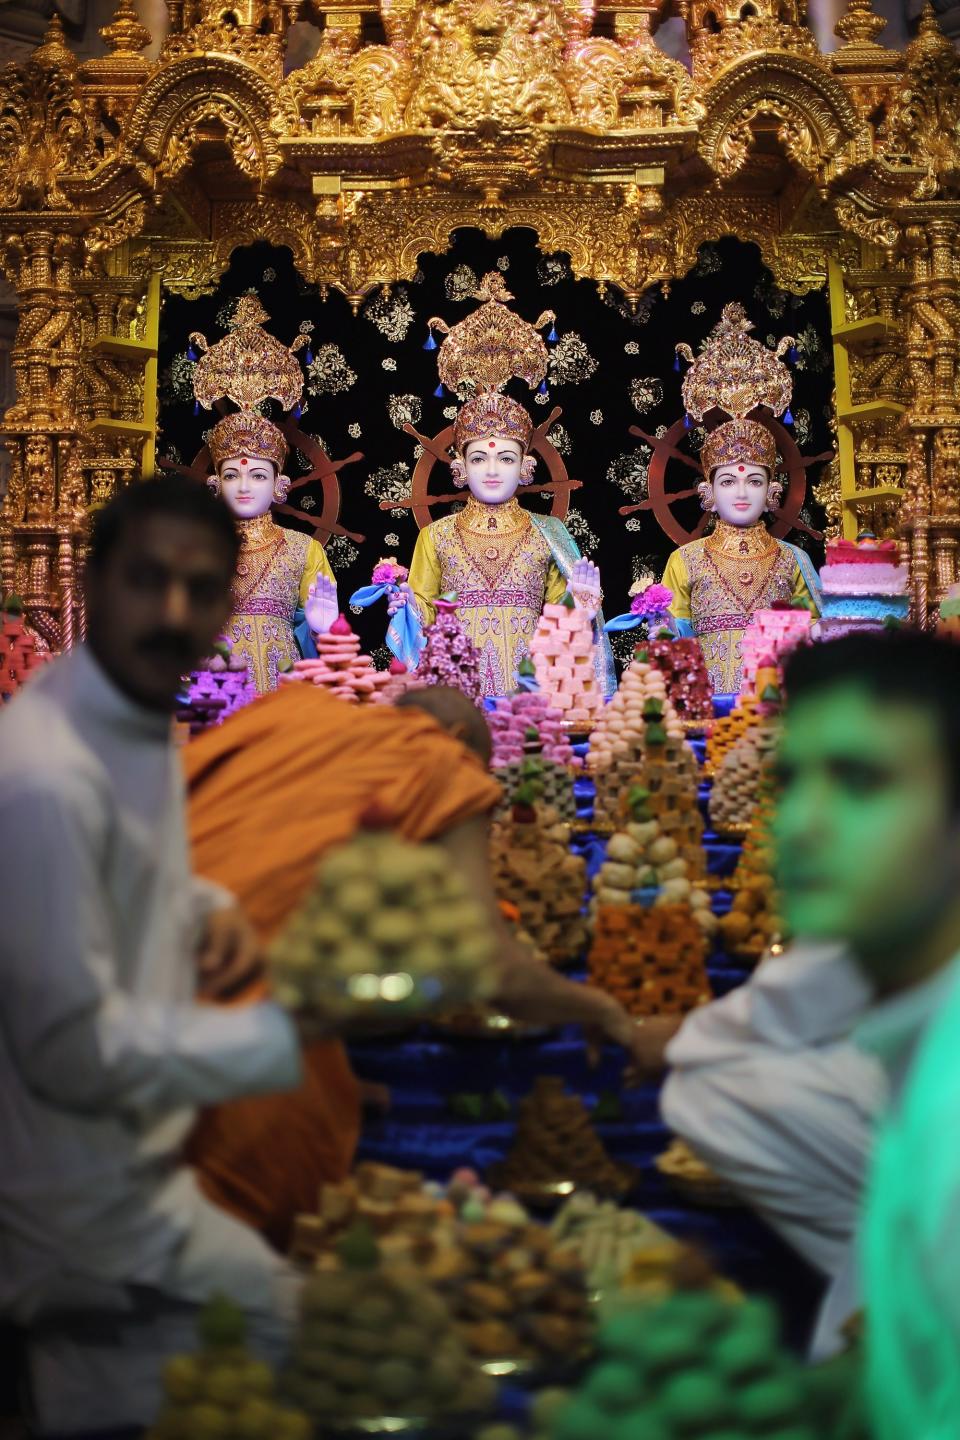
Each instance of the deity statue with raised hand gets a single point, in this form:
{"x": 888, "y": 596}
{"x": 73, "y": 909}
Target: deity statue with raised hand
{"x": 720, "y": 580}
{"x": 283, "y": 591}
{"x": 502, "y": 561}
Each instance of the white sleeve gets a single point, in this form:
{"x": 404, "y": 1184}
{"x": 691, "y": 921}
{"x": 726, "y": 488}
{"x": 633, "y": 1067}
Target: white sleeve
{"x": 208, "y": 897}
{"x": 79, "y": 1041}
{"x": 768, "y": 1090}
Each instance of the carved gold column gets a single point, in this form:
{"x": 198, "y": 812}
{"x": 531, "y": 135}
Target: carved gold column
{"x": 45, "y": 499}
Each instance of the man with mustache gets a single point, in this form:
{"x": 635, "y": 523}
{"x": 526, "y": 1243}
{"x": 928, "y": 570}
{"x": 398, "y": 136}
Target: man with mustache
{"x": 107, "y": 1245}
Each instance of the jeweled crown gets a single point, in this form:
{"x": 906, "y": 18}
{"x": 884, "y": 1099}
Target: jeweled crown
{"x": 247, "y": 366}
{"x": 736, "y": 374}
{"x": 484, "y": 351}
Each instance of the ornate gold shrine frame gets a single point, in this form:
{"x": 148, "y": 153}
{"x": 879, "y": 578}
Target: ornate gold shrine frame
{"x": 121, "y": 176}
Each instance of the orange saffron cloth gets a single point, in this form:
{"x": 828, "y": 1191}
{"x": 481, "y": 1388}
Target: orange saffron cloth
{"x": 269, "y": 793}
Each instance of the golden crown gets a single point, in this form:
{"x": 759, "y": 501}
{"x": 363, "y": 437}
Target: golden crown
{"x": 734, "y": 373}
{"x": 484, "y": 351}
{"x": 247, "y": 366}
{"x": 744, "y": 442}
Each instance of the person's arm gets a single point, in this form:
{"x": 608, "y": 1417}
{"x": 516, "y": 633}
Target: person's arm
{"x": 79, "y": 1040}
{"x": 767, "y": 1088}
{"x": 528, "y": 988}
{"x": 425, "y": 579}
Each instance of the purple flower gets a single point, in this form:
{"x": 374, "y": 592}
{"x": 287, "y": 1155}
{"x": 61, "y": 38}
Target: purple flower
{"x": 654, "y": 600}
{"x": 389, "y": 572}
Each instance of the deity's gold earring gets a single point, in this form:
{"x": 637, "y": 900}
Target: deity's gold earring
{"x": 707, "y": 502}
{"x": 528, "y": 468}
{"x": 281, "y": 488}
{"x": 458, "y": 473}
{"x": 213, "y": 483}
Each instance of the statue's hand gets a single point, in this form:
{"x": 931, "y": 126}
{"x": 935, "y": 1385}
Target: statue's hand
{"x": 320, "y": 607}
{"x": 584, "y": 586}
{"x": 402, "y": 597}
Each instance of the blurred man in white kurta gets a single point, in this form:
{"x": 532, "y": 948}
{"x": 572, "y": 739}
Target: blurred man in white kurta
{"x": 767, "y": 1086}
{"x": 107, "y": 1247}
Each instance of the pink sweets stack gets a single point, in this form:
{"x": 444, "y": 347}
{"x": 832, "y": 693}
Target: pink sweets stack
{"x": 217, "y": 688}
{"x": 563, "y": 658}
{"x": 514, "y": 715}
{"x": 769, "y": 637}
{"x": 19, "y": 655}
{"x": 340, "y": 668}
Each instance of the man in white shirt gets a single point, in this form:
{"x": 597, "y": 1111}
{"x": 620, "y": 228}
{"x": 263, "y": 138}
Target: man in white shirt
{"x": 868, "y": 836}
{"x": 767, "y": 1086}
{"x": 106, "y": 1244}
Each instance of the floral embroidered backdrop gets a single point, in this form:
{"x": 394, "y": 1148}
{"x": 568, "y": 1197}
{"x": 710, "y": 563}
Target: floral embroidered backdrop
{"x": 369, "y": 374}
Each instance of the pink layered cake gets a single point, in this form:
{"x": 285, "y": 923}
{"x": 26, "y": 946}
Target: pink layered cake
{"x": 769, "y": 638}
{"x": 339, "y": 667}
{"x": 864, "y": 586}
{"x": 216, "y": 689}
{"x": 563, "y": 658}
{"x": 512, "y": 720}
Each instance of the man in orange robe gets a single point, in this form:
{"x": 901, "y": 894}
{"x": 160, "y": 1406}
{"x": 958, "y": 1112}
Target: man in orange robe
{"x": 270, "y": 792}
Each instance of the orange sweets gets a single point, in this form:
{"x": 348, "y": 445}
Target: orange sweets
{"x": 753, "y": 924}
{"x": 562, "y": 650}
{"x": 556, "y": 1144}
{"x": 725, "y": 732}
{"x": 533, "y": 869}
{"x": 650, "y": 959}
{"x": 737, "y": 781}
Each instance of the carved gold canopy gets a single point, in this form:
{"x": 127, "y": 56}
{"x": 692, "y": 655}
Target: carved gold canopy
{"x": 122, "y": 175}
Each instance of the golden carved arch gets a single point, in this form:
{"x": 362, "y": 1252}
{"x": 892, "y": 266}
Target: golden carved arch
{"x": 202, "y": 90}
{"x": 817, "y": 117}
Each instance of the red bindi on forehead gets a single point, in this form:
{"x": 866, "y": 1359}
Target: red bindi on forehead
{"x": 492, "y": 444}
{"x": 741, "y": 468}
{"x": 243, "y": 460}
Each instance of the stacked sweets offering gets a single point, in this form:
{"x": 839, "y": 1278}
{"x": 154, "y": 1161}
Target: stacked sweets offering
{"x": 660, "y": 762}
{"x": 864, "y": 586}
{"x": 645, "y": 866}
{"x": 378, "y": 1341}
{"x": 737, "y": 782}
{"x": 19, "y": 654}
{"x": 554, "y": 784}
{"x": 450, "y": 656}
{"x": 388, "y": 927}
{"x": 534, "y": 869}
{"x": 949, "y": 621}
{"x": 771, "y": 635}
{"x": 753, "y": 923}
{"x": 399, "y": 681}
{"x": 556, "y": 1149}
{"x": 619, "y": 735}
{"x": 216, "y": 689}
{"x": 681, "y": 663}
{"x": 726, "y": 731}
{"x": 222, "y": 1392}
{"x": 339, "y": 667}
{"x": 698, "y": 1367}
{"x": 613, "y": 1243}
{"x": 513, "y": 1290}
{"x": 511, "y": 721}
{"x": 562, "y": 650}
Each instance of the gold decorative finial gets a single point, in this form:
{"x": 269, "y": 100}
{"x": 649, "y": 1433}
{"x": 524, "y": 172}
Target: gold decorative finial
{"x": 248, "y": 366}
{"x": 126, "y": 34}
{"x": 860, "y": 25}
{"x": 493, "y": 344}
{"x": 733, "y": 372}
{"x": 736, "y": 374}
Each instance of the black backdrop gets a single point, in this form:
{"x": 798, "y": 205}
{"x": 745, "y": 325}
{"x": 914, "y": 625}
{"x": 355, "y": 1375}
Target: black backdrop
{"x": 609, "y": 370}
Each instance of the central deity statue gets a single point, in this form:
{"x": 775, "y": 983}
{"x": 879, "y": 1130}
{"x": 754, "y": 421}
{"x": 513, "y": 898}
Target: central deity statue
{"x": 718, "y": 582}
{"x": 502, "y": 561}
{"x": 283, "y": 591}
